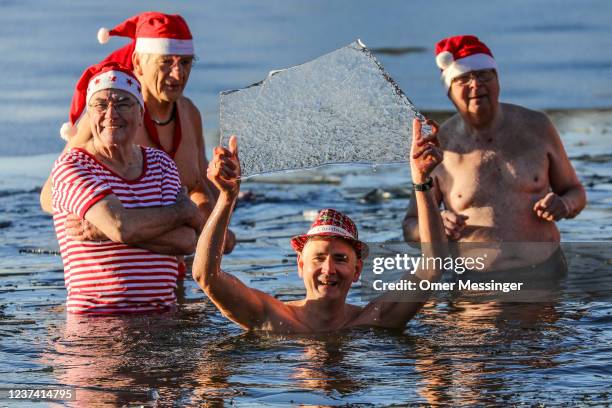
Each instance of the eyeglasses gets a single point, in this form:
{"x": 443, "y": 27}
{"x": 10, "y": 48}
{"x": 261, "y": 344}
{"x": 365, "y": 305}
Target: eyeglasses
{"x": 483, "y": 76}
{"x": 121, "y": 106}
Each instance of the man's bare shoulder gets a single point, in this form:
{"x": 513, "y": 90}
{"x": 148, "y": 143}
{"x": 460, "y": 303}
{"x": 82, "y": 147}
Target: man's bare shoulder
{"x": 529, "y": 123}
{"x": 450, "y": 124}
{"x": 526, "y": 115}
{"x": 186, "y": 105}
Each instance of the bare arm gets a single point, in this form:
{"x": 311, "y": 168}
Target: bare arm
{"x": 133, "y": 226}
{"x": 179, "y": 241}
{"x": 567, "y": 197}
{"x": 563, "y": 179}
{"x": 387, "y": 310}
{"x": 410, "y": 224}
{"x": 205, "y": 194}
{"x": 245, "y": 306}
{"x": 202, "y": 194}
{"x": 83, "y": 135}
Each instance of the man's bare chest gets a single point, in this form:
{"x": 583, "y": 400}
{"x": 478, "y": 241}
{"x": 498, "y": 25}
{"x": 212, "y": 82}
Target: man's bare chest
{"x": 486, "y": 176}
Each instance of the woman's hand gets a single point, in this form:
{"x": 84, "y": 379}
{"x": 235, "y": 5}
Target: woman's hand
{"x": 224, "y": 169}
{"x": 425, "y": 152}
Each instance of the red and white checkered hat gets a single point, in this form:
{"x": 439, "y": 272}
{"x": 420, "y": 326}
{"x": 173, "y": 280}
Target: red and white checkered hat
{"x": 106, "y": 75}
{"x": 332, "y": 223}
{"x": 461, "y": 54}
{"x": 154, "y": 33}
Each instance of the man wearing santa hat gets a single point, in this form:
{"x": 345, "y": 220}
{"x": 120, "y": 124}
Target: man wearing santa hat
{"x": 505, "y": 176}
{"x": 161, "y": 55}
{"x": 330, "y": 259}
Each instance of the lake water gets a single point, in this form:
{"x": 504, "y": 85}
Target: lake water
{"x": 455, "y": 352}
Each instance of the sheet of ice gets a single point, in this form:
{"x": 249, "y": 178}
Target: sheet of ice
{"x": 339, "y": 108}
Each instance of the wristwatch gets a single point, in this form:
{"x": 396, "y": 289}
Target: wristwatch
{"x": 427, "y": 185}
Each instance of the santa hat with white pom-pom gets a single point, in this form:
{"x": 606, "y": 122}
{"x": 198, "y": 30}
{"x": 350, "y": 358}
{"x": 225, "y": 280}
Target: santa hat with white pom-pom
{"x": 106, "y": 75}
{"x": 461, "y": 54}
{"x": 154, "y": 33}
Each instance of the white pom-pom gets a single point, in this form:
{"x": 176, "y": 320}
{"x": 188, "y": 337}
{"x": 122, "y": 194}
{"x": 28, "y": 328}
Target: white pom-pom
{"x": 67, "y": 131}
{"x": 103, "y": 35}
{"x": 444, "y": 59}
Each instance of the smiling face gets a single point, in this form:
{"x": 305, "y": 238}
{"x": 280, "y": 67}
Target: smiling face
{"x": 163, "y": 77}
{"x": 476, "y": 95}
{"x": 114, "y": 115}
{"x": 328, "y": 266}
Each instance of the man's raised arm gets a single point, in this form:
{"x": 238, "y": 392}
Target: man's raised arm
{"x": 387, "y": 310}
{"x": 250, "y": 308}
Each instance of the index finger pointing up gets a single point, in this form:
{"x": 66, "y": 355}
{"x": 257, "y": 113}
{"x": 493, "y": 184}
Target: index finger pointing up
{"x": 416, "y": 131}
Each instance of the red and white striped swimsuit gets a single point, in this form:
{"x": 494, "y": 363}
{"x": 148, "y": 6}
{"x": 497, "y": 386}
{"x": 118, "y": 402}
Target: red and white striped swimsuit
{"x": 108, "y": 277}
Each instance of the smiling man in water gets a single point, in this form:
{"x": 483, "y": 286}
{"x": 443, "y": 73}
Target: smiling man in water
{"x": 330, "y": 259}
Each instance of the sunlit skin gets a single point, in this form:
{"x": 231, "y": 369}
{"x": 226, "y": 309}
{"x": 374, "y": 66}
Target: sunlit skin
{"x": 478, "y": 100}
{"x": 163, "y": 77}
{"x": 115, "y": 116}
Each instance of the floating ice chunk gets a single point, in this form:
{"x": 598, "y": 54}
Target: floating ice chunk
{"x": 339, "y": 108}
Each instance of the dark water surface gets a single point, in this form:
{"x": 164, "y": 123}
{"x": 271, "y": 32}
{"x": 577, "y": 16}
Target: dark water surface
{"x": 455, "y": 352}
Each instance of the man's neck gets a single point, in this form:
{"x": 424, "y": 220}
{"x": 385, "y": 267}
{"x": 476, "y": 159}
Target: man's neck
{"x": 324, "y": 315}
{"x": 158, "y": 109}
{"x": 483, "y": 126}
{"x": 123, "y": 159}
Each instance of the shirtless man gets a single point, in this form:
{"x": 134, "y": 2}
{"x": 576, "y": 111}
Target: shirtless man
{"x": 161, "y": 55}
{"x": 505, "y": 176}
{"x": 330, "y": 259}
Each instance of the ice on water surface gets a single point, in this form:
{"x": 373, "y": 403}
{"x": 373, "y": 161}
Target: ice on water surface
{"x": 339, "y": 108}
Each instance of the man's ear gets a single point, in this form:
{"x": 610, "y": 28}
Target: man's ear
{"x": 300, "y": 264}
{"x": 137, "y": 62}
{"x": 358, "y": 268}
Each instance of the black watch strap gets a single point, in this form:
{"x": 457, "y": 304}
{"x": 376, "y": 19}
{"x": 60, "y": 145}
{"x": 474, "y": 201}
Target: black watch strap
{"x": 427, "y": 185}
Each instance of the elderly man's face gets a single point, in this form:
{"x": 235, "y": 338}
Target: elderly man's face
{"x": 163, "y": 77}
{"x": 115, "y": 116}
{"x": 476, "y": 93}
{"x": 328, "y": 267}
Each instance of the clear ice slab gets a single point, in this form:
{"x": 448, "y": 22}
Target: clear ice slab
{"x": 341, "y": 107}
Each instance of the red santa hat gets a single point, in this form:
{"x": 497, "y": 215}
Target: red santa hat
{"x": 154, "y": 33}
{"x": 461, "y": 54}
{"x": 122, "y": 56}
{"x": 105, "y": 75}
